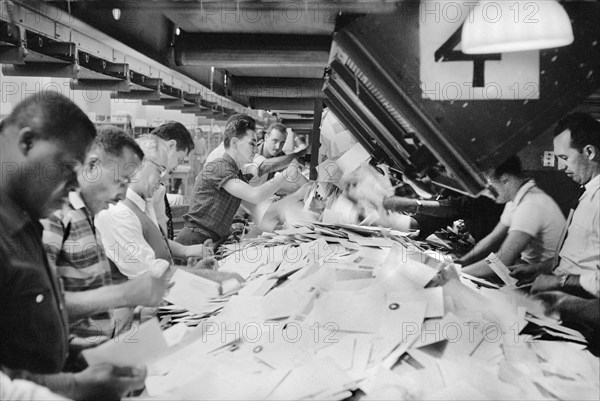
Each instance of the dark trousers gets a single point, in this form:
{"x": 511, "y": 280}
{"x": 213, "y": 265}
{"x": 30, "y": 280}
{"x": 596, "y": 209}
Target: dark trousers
{"x": 189, "y": 236}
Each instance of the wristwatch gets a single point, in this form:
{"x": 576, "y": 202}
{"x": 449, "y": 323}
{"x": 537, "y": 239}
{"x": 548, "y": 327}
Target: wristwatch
{"x": 419, "y": 204}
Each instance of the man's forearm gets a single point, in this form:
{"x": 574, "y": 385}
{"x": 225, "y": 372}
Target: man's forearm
{"x": 82, "y": 304}
{"x": 275, "y": 164}
{"x": 59, "y": 383}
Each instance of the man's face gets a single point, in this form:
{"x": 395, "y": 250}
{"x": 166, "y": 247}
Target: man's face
{"x": 246, "y": 147}
{"x": 574, "y": 163}
{"x": 106, "y": 180}
{"x": 176, "y": 157}
{"x": 147, "y": 179}
{"x": 52, "y": 167}
{"x": 500, "y": 185}
{"x": 274, "y": 142}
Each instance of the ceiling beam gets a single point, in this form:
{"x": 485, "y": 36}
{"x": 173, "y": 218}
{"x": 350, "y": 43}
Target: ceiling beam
{"x": 237, "y": 50}
{"x": 282, "y": 103}
{"x": 263, "y": 87}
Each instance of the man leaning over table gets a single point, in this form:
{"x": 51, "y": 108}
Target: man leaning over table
{"x": 97, "y": 309}
{"x": 180, "y": 144}
{"x": 577, "y": 147}
{"x": 130, "y": 232}
{"x": 42, "y": 143}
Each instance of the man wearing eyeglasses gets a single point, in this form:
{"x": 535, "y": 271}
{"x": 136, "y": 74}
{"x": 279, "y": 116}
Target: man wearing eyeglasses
{"x": 130, "y": 232}
{"x": 97, "y": 309}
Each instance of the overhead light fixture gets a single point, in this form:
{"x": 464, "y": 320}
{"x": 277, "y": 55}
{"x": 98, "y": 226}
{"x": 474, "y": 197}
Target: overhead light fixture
{"x": 177, "y": 31}
{"x": 116, "y": 13}
{"x": 513, "y": 26}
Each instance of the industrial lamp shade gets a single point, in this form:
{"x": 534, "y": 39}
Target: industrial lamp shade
{"x": 512, "y": 26}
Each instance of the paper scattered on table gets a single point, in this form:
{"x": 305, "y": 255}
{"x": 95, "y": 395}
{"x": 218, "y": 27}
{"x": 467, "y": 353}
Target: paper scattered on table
{"x": 193, "y": 292}
{"x": 141, "y": 345}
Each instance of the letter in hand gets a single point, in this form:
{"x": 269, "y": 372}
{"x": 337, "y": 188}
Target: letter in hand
{"x": 201, "y": 252}
{"x": 107, "y": 382}
{"x": 217, "y": 276}
{"x": 146, "y": 289}
{"x": 526, "y": 273}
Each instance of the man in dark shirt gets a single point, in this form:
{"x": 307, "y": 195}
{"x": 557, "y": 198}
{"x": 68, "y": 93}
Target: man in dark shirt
{"x": 221, "y": 187}
{"x": 42, "y": 143}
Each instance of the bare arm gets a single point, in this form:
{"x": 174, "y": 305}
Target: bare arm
{"x": 408, "y": 205}
{"x": 483, "y": 248}
{"x": 279, "y": 163}
{"x": 145, "y": 290}
{"x": 508, "y": 253}
{"x": 251, "y": 194}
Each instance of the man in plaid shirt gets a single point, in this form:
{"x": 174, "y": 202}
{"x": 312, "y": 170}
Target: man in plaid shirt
{"x": 97, "y": 310}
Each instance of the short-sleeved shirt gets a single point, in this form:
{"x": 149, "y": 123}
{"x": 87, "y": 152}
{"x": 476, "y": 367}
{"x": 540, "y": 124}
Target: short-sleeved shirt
{"x": 33, "y": 321}
{"x": 535, "y": 213}
{"x": 213, "y": 208}
{"x": 75, "y": 251}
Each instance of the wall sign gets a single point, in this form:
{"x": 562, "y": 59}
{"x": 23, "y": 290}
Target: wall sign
{"x": 448, "y": 74}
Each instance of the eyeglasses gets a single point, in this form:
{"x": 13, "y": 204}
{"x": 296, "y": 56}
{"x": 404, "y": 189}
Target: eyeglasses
{"x": 163, "y": 169}
{"x": 123, "y": 181}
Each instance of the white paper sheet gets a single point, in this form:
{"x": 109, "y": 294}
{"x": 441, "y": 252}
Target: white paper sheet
{"x": 139, "y": 346}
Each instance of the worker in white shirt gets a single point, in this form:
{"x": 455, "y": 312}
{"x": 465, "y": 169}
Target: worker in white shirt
{"x": 577, "y": 147}
{"x": 130, "y": 232}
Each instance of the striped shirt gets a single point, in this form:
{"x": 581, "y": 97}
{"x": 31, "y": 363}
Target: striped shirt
{"x": 75, "y": 252}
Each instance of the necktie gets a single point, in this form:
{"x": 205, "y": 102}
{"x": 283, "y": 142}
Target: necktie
{"x": 170, "y": 234}
{"x": 563, "y": 235}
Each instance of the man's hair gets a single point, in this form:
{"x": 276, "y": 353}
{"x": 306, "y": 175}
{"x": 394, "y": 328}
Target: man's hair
{"x": 152, "y": 146}
{"x": 236, "y": 127}
{"x": 174, "y": 130}
{"x": 112, "y": 140}
{"x": 51, "y": 115}
{"x": 512, "y": 166}
{"x": 277, "y": 127}
{"x": 585, "y": 130}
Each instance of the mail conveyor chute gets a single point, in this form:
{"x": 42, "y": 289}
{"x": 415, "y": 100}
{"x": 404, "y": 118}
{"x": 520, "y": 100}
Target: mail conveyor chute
{"x": 374, "y": 86}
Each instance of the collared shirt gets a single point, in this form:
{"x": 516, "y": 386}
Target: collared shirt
{"x": 75, "y": 252}
{"x": 123, "y": 238}
{"x": 217, "y": 153}
{"x": 581, "y": 249}
{"x": 213, "y": 208}
{"x": 33, "y": 321}
{"x": 535, "y": 213}
{"x": 590, "y": 281}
